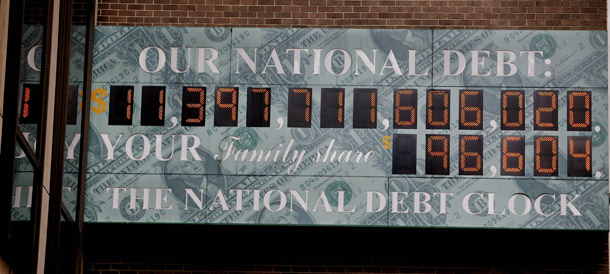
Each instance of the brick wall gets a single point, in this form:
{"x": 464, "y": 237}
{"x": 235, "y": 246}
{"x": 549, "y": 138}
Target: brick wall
{"x": 455, "y": 14}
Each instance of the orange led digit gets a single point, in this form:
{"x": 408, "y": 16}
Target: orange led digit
{"x": 193, "y": 106}
{"x": 471, "y": 109}
{"x": 545, "y": 163}
{"x": 332, "y": 111}
{"x": 579, "y": 156}
{"x": 365, "y": 108}
{"x": 437, "y": 154}
{"x": 471, "y": 151}
{"x": 121, "y": 105}
{"x": 545, "y": 110}
{"x": 513, "y": 152}
{"x": 579, "y": 110}
{"x": 437, "y": 109}
{"x": 405, "y": 107}
{"x": 225, "y": 111}
{"x": 513, "y": 104}
{"x": 258, "y": 109}
{"x": 299, "y": 107}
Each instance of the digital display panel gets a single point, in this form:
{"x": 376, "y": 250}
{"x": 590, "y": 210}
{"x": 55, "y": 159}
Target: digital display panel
{"x": 259, "y": 107}
{"x": 348, "y": 127}
{"x": 437, "y": 109}
{"x": 153, "y": 106}
{"x": 121, "y": 105}
{"x": 225, "y": 108}
{"x": 299, "y": 107}
{"x": 365, "y": 108}
{"x": 72, "y": 104}
{"x": 545, "y": 105}
{"x": 513, "y": 109}
{"x": 405, "y": 108}
{"x": 471, "y": 155}
{"x": 471, "y": 109}
{"x": 31, "y": 104}
{"x": 332, "y": 108}
{"x": 579, "y": 110}
{"x": 193, "y": 106}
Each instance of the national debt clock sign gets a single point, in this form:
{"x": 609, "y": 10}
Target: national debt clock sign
{"x": 347, "y": 127}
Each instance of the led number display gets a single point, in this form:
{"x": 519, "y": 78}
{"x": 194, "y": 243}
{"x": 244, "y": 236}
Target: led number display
{"x": 225, "y": 109}
{"x": 405, "y": 108}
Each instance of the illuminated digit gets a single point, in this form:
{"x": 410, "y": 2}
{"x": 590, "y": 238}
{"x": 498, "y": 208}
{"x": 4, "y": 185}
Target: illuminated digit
{"x": 579, "y": 110}
{"x": 331, "y": 113}
{"x": 513, "y": 150}
{"x": 121, "y": 105}
{"x": 471, "y": 159}
{"x": 545, "y": 105}
{"x": 129, "y": 104}
{"x": 438, "y": 109}
{"x": 299, "y": 107}
{"x": 513, "y": 105}
{"x": 25, "y": 109}
{"x": 225, "y": 113}
{"x": 437, "y": 156}
{"x": 471, "y": 114}
{"x": 259, "y": 101}
{"x": 579, "y": 156}
{"x": 546, "y": 159}
{"x": 405, "y": 104}
{"x": 153, "y": 106}
{"x": 193, "y": 106}
{"x": 365, "y": 108}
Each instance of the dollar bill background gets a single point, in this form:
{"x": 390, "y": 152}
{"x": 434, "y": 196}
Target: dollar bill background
{"x": 578, "y": 62}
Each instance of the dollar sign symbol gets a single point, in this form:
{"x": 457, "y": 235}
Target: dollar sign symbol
{"x": 386, "y": 141}
{"x": 97, "y": 98}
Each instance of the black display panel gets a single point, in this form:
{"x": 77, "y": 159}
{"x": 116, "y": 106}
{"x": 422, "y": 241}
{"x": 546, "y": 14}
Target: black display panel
{"x": 471, "y": 155}
{"x": 225, "y": 107}
{"x": 513, "y": 114}
{"x": 193, "y": 106}
{"x": 546, "y": 157}
{"x": 404, "y": 154}
{"x": 72, "y": 104}
{"x": 579, "y": 110}
{"x": 513, "y": 155}
{"x": 579, "y": 156}
{"x": 405, "y": 108}
{"x": 153, "y": 106}
{"x": 332, "y": 107}
{"x": 437, "y": 154}
{"x": 545, "y": 110}
{"x": 31, "y": 104}
{"x": 365, "y": 108}
{"x": 437, "y": 109}
{"x": 299, "y": 107}
{"x": 121, "y": 105}
{"x": 259, "y": 107}
{"x": 471, "y": 109}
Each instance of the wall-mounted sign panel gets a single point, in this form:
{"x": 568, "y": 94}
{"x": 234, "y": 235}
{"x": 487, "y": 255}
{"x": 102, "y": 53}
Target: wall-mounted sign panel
{"x": 417, "y": 128}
